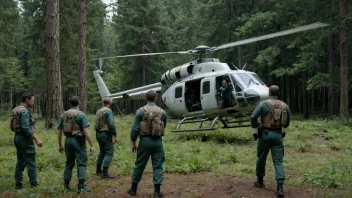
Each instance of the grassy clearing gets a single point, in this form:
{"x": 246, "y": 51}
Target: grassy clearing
{"x": 317, "y": 153}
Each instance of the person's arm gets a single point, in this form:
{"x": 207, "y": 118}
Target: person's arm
{"x": 89, "y": 138}
{"x": 25, "y": 125}
{"x": 255, "y": 115}
{"x": 164, "y": 118}
{"x": 135, "y": 129}
{"x": 84, "y": 125}
{"x": 27, "y": 130}
{"x": 59, "y": 135}
{"x": 135, "y": 126}
{"x": 288, "y": 117}
{"x": 109, "y": 116}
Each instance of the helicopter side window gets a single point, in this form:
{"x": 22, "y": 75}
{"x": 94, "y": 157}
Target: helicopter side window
{"x": 178, "y": 92}
{"x": 237, "y": 84}
{"x": 206, "y": 87}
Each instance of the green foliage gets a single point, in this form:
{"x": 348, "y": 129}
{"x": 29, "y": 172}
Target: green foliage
{"x": 192, "y": 153}
{"x": 318, "y": 81}
{"x": 335, "y": 175}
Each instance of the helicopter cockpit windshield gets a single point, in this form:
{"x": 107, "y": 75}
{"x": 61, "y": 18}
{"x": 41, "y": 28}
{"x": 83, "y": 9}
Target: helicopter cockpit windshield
{"x": 247, "y": 80}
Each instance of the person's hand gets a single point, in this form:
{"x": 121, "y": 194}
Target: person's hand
{"x": 61, "y": 149}
{"x": 39, "y": 143}
{"x": 255, "y": 134}
{"x": 91, "y": 150}
{"x": 134, "y": 147}
{"x": 116, "y": 139}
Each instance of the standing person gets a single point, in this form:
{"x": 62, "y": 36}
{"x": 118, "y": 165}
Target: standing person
{"x": 275, "y": 114}
{"x": 22, "y": 124}
{"x": 149, "y": 124}
{"x": 105, "y": 132}
{"x": 74, "y": 125}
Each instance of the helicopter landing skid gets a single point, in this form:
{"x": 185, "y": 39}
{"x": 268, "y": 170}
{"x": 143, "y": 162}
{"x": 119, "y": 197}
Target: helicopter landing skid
{"x": 234, "y": 124}
{"x": 226, "y": 124}
{"x": 189, "y": 120}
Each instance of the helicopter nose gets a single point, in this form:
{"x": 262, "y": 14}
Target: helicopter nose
{"x": 251, "y": 96}
{"x": 256, "y": 94}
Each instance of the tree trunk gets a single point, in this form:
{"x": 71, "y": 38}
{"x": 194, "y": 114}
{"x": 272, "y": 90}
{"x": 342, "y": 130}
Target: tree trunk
{"x": 54, "y": 95}
{"x": 343, "y": 61}
{"x": 305, "y": 95}
{"x": 82, "y": 86}
{"x": 333, "y": 94}
{"x": 11, "y": 90}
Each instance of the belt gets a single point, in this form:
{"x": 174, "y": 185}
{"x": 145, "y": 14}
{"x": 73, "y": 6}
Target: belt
{"x": 143, "y": 136}
{"x": 272, "y": 129}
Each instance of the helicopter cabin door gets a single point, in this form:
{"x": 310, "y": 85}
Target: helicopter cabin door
{"x": 208, "y": 93}
{"x": 179, "y": 105}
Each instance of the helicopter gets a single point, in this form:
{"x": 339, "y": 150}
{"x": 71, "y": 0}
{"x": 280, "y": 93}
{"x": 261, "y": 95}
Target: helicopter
{"x": 192, "y": 90}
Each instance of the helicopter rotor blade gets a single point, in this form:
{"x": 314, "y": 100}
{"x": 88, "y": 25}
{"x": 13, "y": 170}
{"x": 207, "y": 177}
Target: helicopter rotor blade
{"x": 269, "y": 36}
{"x": 147, "y": 54}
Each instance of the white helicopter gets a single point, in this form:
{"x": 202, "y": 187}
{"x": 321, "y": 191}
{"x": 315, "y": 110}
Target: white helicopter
{"x": 191, "y": 90}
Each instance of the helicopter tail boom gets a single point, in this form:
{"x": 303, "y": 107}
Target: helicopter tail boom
{"x": 103, "y": 90}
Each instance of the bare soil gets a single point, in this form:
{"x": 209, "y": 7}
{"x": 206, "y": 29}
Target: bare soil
{"x": 191, "y": 185}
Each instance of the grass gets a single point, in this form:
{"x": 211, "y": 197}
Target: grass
{"x": 317, "y": 154}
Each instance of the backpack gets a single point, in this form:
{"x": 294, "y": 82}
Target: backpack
{"x": 277, "y": 117}
{"x": 70, "y": 127}
{"x": 100, "y": 120}
{"x": 152, "y": 124}
{"x": 15, "y": 123}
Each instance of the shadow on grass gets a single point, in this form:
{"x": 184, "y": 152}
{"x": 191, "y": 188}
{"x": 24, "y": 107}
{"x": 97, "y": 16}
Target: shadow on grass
{"x": 217, "y": 138}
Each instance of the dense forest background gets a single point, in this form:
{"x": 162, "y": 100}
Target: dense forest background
{"x": 310, "y": 67}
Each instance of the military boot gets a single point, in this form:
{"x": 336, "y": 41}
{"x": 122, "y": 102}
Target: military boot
{"x": 67, "y": 185}
{"x": 106, "y": 173}
{"x": 157, "y": 192}
{"x": 259, "y": 182}
{"x": 280, "y": 189}
{"x": 82, "y": 188}
{"x": 19, "y": 186}
{"x": 133, "y": 190}
{"x": 34, "y": 185}
{"x": 98, "y": 171}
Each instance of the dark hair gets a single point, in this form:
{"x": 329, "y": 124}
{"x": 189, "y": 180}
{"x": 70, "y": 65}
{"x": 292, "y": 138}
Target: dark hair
{"x": 151, "y": 95}
{"x": 26, "y": 96}
{"x": 107, "y": 100}
{"x": 274, "y": 90}
{"x": 74, "y": 101}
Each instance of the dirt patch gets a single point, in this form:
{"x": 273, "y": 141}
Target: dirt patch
{"x": 191, "y": 185}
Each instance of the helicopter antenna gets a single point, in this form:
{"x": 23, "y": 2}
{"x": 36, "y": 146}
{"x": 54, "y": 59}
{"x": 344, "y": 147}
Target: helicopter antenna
{"x": 234, "y": 66}
{"x": 244, "y": 66}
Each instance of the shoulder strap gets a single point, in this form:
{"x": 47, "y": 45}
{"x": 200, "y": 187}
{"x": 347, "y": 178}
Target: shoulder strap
{"x": 105, "y": 110}
{"x": 282, "y": 106}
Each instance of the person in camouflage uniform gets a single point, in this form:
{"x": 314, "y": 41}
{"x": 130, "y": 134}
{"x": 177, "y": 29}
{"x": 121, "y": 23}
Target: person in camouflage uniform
{"x": 149, "y": 145}
{"x": 274, "y": 114}
{"x": 74, "y": 125}
{"x": 105, "y": 131}
{"x": 22, "y": 124}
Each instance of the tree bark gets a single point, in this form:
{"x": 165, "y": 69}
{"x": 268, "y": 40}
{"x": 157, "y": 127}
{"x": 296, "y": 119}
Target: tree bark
{"x": 305, "y": 95}
{"x": 54, "y": 95}
{"x": 82, "y": 86}
{"x": 333, "y": 94}
{"x": 343, "y": 61}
